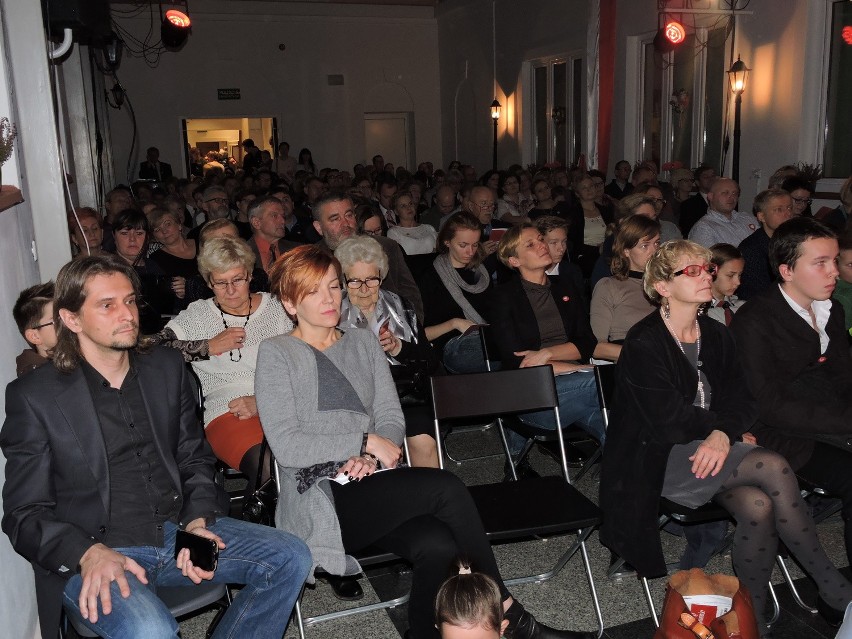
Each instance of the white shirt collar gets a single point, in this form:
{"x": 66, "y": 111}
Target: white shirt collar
{"x": 822, "y": 311}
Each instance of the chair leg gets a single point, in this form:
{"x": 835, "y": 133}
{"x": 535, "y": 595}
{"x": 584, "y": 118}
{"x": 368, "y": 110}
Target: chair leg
{"x": 590, "y": 578}
{"x": 776, "y": 607}
{"x": 298, "y": 612}
{"x": 793, "y": 590}
{"x": 223, "y": 604}
{"x": 589, "y": 463}
{"x": 650, "y": 602}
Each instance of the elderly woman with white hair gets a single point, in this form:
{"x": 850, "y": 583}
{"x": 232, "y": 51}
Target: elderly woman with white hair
{"x": 220, "y": 337}
{"x": 394, "y": 322}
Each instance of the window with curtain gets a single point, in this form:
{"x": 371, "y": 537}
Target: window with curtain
{"x": 837, "y": 162}
{"x": 557, "y": 85}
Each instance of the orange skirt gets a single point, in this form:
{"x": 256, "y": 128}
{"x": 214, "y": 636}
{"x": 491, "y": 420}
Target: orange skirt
{"x": 231, "y": 437}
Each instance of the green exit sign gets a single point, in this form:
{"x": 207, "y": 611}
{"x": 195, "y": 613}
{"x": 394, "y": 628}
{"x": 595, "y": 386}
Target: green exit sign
{"x": 228, "y": 94}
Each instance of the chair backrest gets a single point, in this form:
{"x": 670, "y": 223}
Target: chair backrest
{"x": 496, "y": 393}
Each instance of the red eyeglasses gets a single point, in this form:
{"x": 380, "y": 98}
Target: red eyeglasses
{"x": 694, "y": 270}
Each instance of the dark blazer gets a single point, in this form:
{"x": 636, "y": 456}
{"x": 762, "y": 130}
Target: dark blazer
{"x": 692, "y": 209}
{"x": 578, "y": 224}
{"x": 56, "y": 499}
{"x": 651, "y": 412}
{"x": 148, "y": 171}
{"x": 802, "y": 394}
{"x": 614, "y": 191}
{"x": 515, "y": 327}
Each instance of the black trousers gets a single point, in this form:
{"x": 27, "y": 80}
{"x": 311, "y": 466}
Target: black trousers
{"x": 831, "y": 468}
{"x": 425, "y": 516}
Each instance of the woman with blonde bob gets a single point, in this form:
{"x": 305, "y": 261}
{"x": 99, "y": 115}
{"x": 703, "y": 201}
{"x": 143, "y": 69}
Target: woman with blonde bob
{"x": 332, "y": 418}
{"x": 220, "y": 337}
{"x": 680, "y": 411}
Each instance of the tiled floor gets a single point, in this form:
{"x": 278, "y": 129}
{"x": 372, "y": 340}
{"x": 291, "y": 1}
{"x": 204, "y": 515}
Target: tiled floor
{"x": 563, "y": 601}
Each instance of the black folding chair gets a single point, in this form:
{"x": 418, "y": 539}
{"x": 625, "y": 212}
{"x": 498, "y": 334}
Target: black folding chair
{"x": 526, "y": 508}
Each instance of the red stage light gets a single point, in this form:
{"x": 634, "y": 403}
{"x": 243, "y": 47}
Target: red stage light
{"x": 674, "y": 32}
{"x": 178, "y": 18}
{"x": 847, "y": 35}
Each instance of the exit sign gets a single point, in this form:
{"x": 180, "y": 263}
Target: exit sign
{"x": 228, "y": 94}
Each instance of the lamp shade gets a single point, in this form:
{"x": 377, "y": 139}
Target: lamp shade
{"x": 495, "y": 110}
{"x": 738, "y": 76}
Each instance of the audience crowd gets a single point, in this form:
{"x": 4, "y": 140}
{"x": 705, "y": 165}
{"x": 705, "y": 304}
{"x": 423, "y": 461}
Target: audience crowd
{"x": 311, "y": 305}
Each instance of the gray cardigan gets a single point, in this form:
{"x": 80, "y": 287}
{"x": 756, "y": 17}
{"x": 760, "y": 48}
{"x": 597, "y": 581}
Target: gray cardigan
{"x": 310, "y": 415}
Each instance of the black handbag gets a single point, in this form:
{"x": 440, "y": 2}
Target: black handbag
{"x": 262, "y": 498}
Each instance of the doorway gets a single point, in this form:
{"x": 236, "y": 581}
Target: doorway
{"x": 225, "y": 136}
{"x": 390, "y": 135}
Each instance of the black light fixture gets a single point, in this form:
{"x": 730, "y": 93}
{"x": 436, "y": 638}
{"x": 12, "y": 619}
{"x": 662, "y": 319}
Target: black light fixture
{"x": 176, "y": 27}
{"x": 117, "y": 92}
{"x": 670, "y": 35}
{"x": 113, "y": 48}
{"x": 495, "y": 116}
{"x": 738, "y": 76}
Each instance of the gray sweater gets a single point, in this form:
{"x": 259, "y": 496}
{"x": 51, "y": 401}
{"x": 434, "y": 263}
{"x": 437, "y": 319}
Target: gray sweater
{"x": 315, "y": 407}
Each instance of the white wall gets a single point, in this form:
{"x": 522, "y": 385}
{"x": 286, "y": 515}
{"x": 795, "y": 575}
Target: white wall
{"x": 772, "y": 42}
{"x": 23, "y": 75}
{"x": 387, "y": 56}
{"x": 525, "y": 31}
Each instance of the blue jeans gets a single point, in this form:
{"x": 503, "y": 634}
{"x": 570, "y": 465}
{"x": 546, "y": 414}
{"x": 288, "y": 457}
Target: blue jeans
{"x": 271, "y": 563}
{"x": 578, "y": 402}
{"x": 463, "y": 354}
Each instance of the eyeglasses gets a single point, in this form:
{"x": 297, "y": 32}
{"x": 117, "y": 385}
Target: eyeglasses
{"x": 40, "y": 326}
{"x": 486, "y": 206}
{"x": 659, "y": 200}
{"x": 217, "y": 199}
{"x": 694, "y": 270}
{"x": 371, "y": 282}
{"x": 237, "y": 282}
{"x": 378, "y": 231}
{"x": 803, "y": 200}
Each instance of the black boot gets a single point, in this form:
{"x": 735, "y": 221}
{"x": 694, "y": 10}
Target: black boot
{"x": 522, "y": 469}
{"x": 522, "y": 625}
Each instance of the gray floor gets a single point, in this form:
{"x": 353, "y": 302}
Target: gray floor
{"x": 562, "y": 602}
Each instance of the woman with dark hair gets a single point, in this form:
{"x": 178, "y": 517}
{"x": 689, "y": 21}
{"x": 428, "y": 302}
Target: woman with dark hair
{"x": 457, "y": 293}
{"x": 370, "y": 221}
{"x": 545, "y": 204}
{"x": 332, "y": 418}
{"x": 306, "y": 162}
{"x": 491, "y": 179}
{"x": 588, "y": 228}
{"x": 802, "y": 191}
{"x": 413, "y": 237}
{"x": 130, "y": 231}
{"x": 618, "y": 302}
{"x": 680, "y": 409}
{"x": 87, "y": 233}
{"x": 511, "y": 208}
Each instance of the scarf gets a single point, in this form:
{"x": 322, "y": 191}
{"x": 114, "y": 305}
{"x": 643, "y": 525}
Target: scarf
{"x": 390, "y": 309}
{"x": 454, "y": 284}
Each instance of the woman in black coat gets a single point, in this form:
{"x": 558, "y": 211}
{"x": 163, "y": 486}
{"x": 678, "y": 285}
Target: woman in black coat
{"x": 680, "y": 409}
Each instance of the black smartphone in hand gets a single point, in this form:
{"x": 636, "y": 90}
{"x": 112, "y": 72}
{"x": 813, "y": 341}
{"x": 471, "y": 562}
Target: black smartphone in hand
{"x": 203, "y": 552}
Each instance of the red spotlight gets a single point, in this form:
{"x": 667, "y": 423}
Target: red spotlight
{"x": 674, "y": 32}
{"x": 847, "y": 35}
{"x": 175, "y": 29}
{"x": 178, "y": 18}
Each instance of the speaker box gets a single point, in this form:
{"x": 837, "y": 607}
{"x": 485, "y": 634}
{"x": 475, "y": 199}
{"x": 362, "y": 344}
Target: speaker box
{"x": 90, "y": 19}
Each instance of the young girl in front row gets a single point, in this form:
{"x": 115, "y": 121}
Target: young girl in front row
{"x": 468, "y": 606}
{"x": 729, "y": 269}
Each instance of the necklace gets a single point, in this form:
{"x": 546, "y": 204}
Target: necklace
{"x": 248, "y": 317}
{"x": 697, "y": 353}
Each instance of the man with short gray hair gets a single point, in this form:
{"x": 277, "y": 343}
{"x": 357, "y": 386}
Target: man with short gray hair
{"x": 269, "y": 225}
